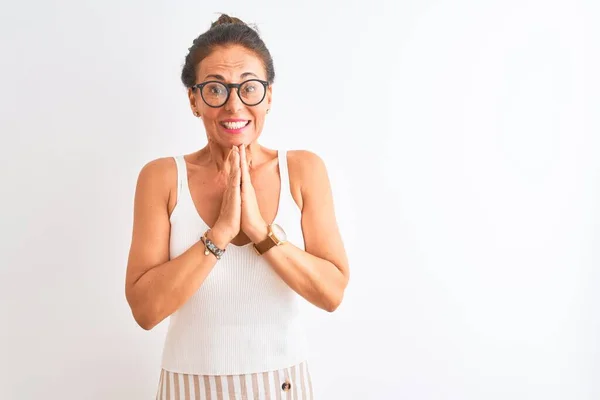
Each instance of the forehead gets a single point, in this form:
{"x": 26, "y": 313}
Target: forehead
{"x": 231, "y": 62}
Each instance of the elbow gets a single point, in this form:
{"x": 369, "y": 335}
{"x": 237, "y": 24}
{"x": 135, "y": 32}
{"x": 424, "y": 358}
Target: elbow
{"x": 145, "y": 322}
{"x": 331, "y": 308}
{"x": 144, "y": 314}
{"x": 333, "y": 303}
{"x": 334, "y": 300}
{"x": 147, "y": 316}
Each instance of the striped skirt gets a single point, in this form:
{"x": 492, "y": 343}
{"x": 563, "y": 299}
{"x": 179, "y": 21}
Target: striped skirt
{"x": 293, "y": 383}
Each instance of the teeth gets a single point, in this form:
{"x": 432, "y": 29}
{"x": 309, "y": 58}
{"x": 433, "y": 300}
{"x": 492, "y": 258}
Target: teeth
{"x": 234, "y": 125}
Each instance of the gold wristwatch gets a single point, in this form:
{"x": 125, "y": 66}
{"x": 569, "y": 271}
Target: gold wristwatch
{"x": 276, "y": 236}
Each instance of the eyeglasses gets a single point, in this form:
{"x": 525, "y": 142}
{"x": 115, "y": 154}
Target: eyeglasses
{"x": 215, "y": 94}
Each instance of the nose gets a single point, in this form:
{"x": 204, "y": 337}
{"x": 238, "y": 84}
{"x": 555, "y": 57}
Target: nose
{"x": 234, "y": 103}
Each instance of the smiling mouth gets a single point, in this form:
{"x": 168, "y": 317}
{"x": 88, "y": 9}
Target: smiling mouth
{"x": 235, "y": 125}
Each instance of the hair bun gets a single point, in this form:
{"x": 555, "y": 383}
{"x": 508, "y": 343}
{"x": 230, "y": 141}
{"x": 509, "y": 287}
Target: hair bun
{"x": 226, "y": 19}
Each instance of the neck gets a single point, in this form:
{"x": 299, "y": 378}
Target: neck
{"x": 215, "y": 154}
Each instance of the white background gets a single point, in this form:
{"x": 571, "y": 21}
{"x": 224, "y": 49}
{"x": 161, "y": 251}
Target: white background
{"x": 461, "y": 139}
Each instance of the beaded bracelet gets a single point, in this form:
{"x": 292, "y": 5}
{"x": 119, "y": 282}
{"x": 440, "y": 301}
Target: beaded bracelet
{"x": 210, "y": 247}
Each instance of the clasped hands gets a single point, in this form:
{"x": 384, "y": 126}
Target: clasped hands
{"x": 239, "y": 208}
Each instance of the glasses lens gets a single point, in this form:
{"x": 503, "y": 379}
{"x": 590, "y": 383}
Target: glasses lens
{"x": 214, "y": 94}
{"x": 252, "y": 92}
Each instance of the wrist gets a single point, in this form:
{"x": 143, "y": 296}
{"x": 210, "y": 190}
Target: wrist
{"x": 259, "y": 234}
{"x": 218, "y": 237}
{"x": 274, "y": 236}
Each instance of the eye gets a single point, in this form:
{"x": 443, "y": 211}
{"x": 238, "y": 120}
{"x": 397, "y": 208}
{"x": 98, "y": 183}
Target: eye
{"x": 215, "y": 89}
{"x": 250, "y": 88}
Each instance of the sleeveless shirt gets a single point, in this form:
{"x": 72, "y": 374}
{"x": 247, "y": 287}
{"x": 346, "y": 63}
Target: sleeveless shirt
{"x": 244, "y": 318}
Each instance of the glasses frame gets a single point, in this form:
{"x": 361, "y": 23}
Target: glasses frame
{"x": 229, "y": 87}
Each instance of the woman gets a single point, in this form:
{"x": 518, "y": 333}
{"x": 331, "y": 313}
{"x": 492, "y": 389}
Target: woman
{"x": 228, "y": 240}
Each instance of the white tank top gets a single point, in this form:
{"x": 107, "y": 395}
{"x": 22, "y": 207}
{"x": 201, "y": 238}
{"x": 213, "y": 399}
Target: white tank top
{"x": 244, "y": 318}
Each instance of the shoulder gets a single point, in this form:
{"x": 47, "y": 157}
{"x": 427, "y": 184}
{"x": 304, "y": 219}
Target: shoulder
{"x": 158, "y": 170}
{"x": 158, "y": 176}
{"x": 305, "y": 163}
{"x": 308, "y": 172}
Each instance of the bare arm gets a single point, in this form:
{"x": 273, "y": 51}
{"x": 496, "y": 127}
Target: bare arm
{"x": 320, "y": 273}
{"x": 156, "y": 286}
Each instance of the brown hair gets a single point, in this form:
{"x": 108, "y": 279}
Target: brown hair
{"x": 224, "y": 32}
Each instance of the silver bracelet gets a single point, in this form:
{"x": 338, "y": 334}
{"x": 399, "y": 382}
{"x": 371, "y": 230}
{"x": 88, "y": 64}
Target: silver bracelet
{"x": 210, "y": 247}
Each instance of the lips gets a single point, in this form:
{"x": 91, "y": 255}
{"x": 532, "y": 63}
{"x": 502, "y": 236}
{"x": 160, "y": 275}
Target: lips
{"x": 234, "y": 125}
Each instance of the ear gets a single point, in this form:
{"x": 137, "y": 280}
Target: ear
{"x": 193, "y": 102}
{"x": 269, "y": 95}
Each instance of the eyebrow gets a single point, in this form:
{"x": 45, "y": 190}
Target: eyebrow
{"x": 221, "y": 78}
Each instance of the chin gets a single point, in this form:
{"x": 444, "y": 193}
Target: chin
{"x": 236, "y": 140}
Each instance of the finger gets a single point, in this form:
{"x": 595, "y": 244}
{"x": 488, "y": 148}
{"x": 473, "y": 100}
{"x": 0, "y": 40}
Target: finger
{"x": 242, "y": 149}
{"x": 236, "y": 168}
{"x": 229, "y": 160}
{"x": 244, "y": 166}
{"x": 233, "y": 164}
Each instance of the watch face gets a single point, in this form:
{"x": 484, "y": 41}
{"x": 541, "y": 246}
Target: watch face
{"x": 279, "y": 233}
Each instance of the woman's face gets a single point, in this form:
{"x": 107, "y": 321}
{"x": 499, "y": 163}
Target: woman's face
{"x": 234, "y": 123}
